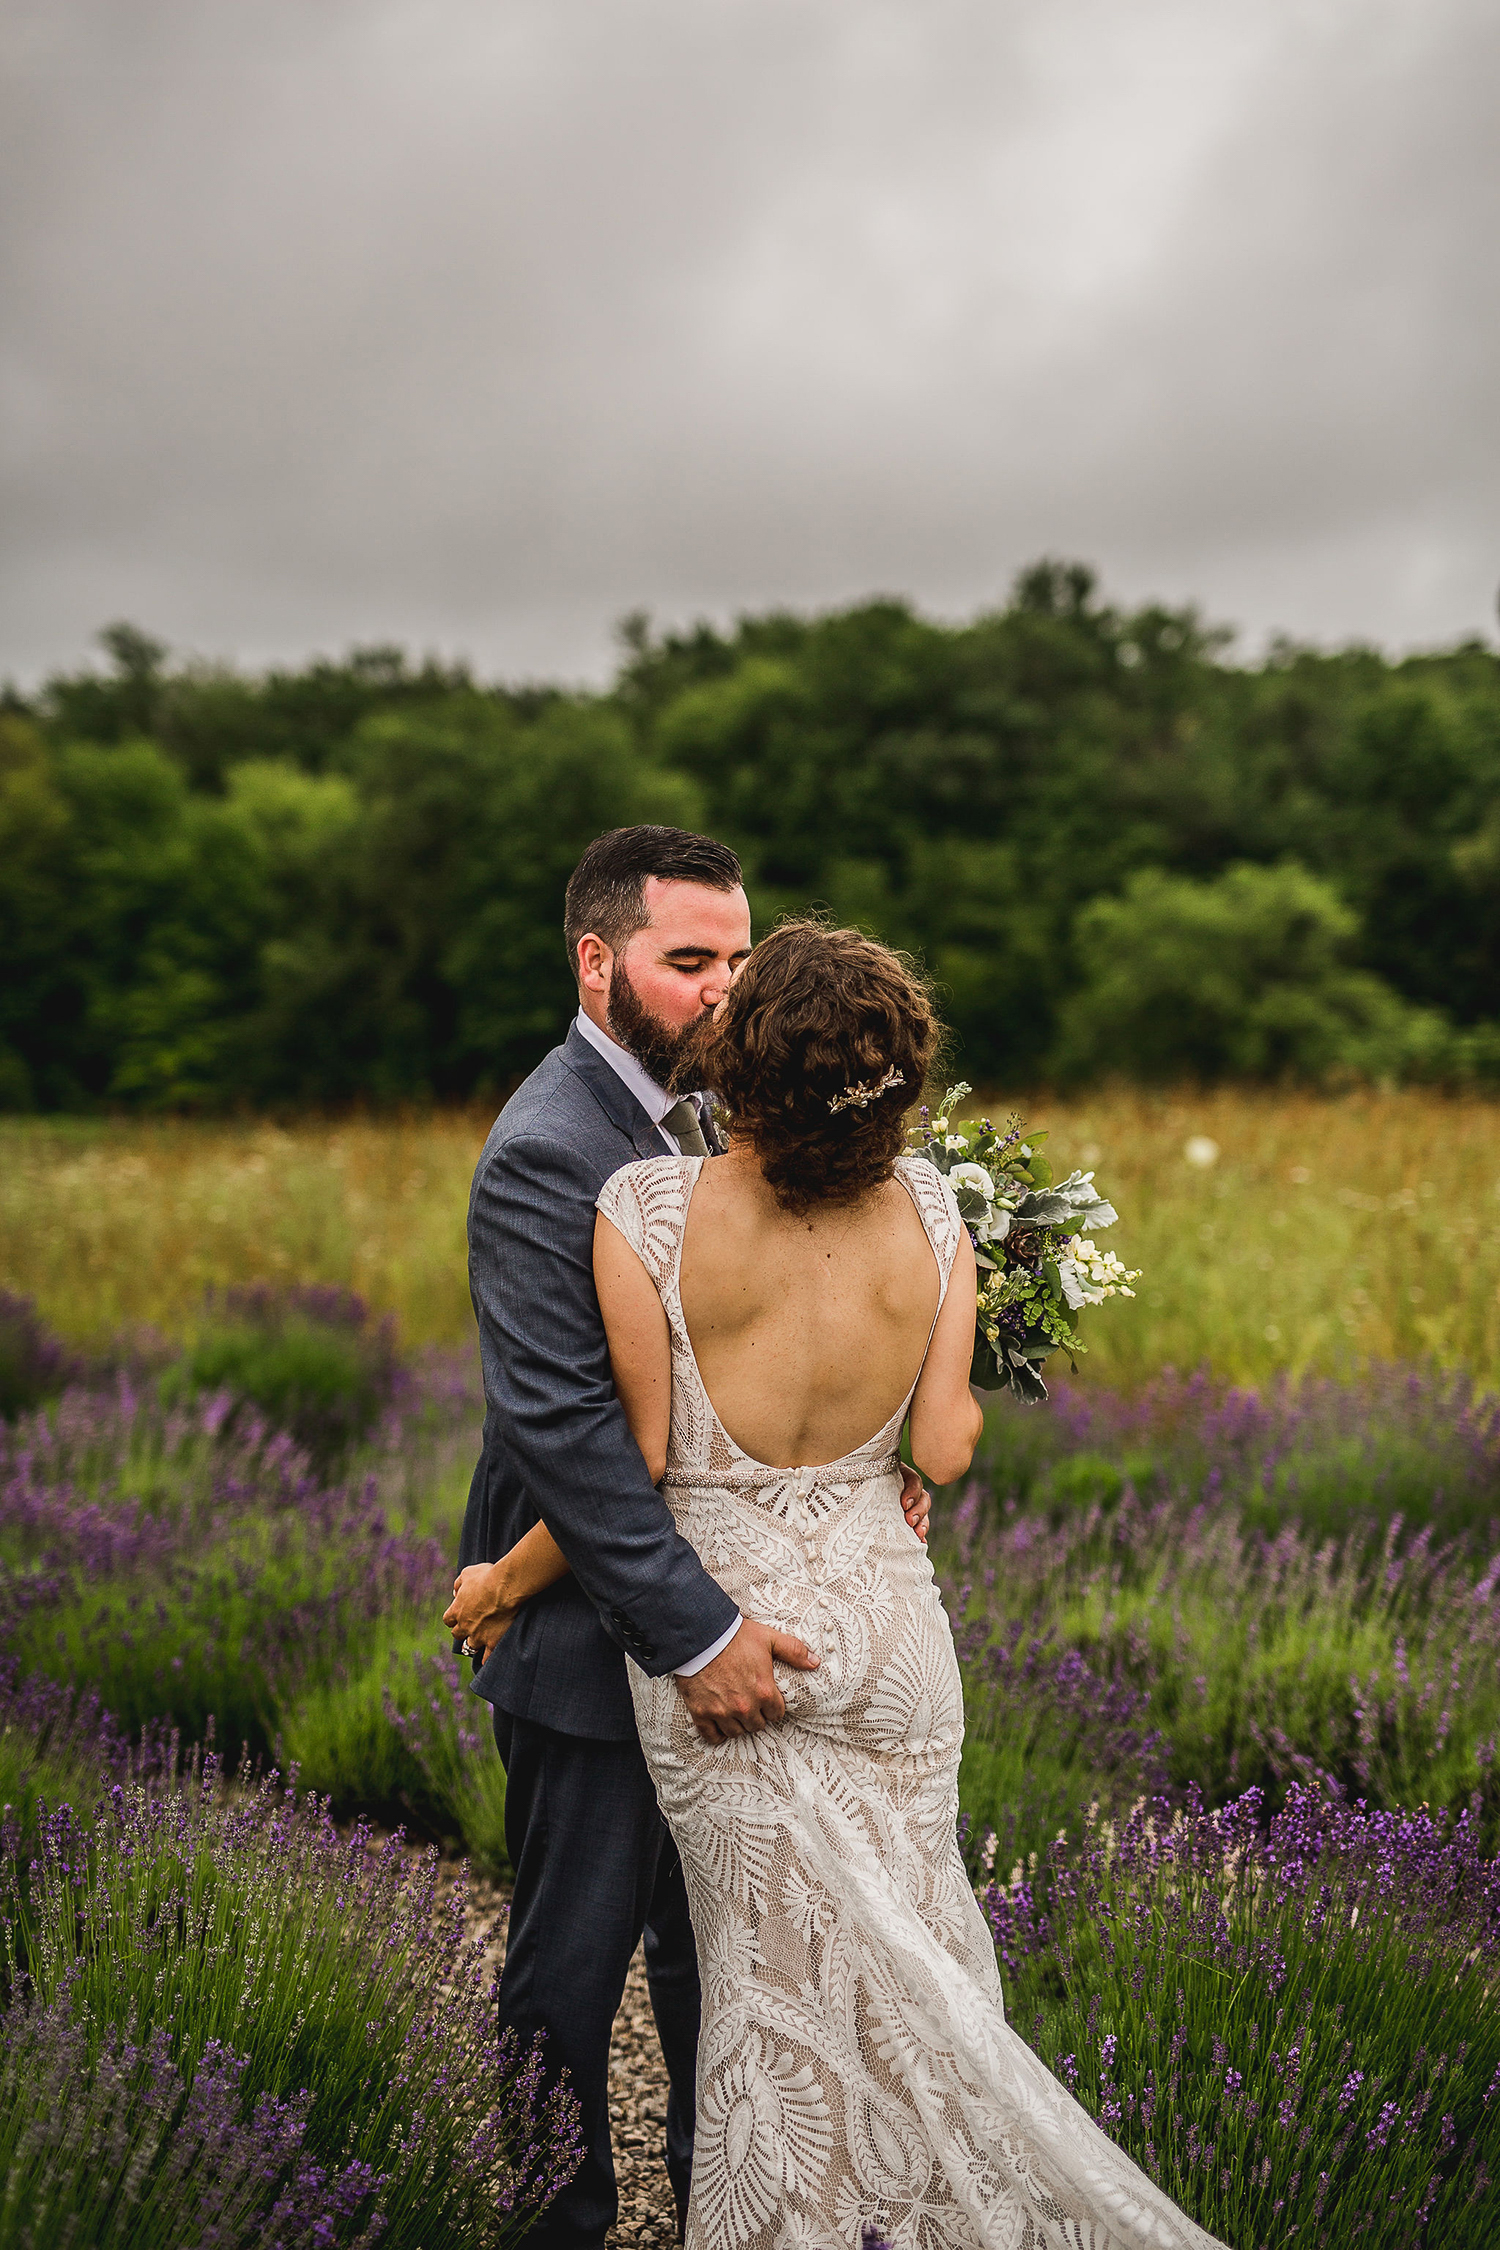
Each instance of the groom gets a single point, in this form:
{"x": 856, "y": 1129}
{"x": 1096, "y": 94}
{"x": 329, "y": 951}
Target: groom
{"x": 656, "y": 922}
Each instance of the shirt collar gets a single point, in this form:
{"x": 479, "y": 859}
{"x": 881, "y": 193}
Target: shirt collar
{"x": 654, "y": 1099}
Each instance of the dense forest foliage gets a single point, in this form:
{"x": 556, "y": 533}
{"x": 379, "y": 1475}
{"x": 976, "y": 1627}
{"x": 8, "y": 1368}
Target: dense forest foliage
{"x": 1114, "y": 848}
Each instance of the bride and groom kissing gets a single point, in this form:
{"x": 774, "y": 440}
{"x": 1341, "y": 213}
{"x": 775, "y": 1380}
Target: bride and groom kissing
{"x": 694, "y": 1582}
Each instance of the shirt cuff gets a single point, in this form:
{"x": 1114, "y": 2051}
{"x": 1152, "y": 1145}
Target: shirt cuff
{"x": 717, "y": 1648}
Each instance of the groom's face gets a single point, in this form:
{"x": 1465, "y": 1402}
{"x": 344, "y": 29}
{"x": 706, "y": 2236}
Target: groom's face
{"x": 657, "y": 995}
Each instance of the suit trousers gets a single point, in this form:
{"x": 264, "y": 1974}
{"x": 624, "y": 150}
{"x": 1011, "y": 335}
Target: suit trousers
{"x": 596, "y": 1870}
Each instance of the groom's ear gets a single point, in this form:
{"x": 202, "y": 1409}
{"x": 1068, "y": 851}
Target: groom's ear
{"x": 593, "y": 961}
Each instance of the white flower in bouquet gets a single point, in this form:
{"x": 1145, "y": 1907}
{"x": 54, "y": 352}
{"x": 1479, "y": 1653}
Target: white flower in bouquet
{"x": 971, "y": 1179}
{"x": 1037, "y": 1266}
{"x": 1089, "y": 1275}
{"x": 980, "y": 1205}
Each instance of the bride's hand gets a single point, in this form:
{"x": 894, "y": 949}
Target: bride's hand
{"x": 916, "y": 1501}
{"x": 481, "y": 1613}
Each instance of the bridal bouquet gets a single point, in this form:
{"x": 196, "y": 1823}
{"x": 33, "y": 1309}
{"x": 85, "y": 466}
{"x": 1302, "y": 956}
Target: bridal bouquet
{"x": 1032, "y": 1237}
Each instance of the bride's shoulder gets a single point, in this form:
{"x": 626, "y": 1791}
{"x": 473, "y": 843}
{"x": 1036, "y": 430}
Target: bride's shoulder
{"x": 921, "y": 1175}
{"x": 619, "y": 1183}
{"x": 648, "y": 1202}
{"x": 641, "y": 1197}
{"x": 937, "y": 1205}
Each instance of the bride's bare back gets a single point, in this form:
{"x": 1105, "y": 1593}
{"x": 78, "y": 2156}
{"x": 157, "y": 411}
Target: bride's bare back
{"x": 808, "y": 1329}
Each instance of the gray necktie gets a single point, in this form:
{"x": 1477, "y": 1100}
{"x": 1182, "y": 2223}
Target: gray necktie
{"x": 682, "y": 1122}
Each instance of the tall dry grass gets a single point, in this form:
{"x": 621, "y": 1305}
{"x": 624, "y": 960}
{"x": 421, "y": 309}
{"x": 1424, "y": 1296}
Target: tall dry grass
{"x": 1328, "y": 1229}
{"x": 1363, "y": 1226}
{"x": 109, "y": 1224}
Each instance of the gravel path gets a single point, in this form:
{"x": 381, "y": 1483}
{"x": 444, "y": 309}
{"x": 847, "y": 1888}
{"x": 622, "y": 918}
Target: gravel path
{"x": 638, "y": 2117}
{"x": 637, "y": 2089}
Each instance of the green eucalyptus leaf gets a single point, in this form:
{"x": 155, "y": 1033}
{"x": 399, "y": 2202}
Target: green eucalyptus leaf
{"x": 1027, "y": 1384}
{"x": 1044, "y": 1210}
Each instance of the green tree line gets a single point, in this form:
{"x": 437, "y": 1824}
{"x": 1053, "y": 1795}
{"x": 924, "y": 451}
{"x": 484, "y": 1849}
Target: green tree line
{"x": 1116, "y": 849}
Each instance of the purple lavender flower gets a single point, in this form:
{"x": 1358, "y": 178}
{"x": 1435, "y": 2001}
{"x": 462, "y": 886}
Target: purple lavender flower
{"x": 1276, "y": 1989}
{"x": 197, "y": 1567}
{"x": 310, "y": 2050}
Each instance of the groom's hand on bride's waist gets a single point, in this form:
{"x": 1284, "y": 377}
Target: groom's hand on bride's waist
{"x": 737, "y": 1693}
{"x": 916, "y": 1501}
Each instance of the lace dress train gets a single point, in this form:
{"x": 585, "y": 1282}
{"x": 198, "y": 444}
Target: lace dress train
{"x": 855, "y": 2064}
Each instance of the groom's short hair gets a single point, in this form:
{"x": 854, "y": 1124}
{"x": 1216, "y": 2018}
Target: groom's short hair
{"x": 607, "y": 889}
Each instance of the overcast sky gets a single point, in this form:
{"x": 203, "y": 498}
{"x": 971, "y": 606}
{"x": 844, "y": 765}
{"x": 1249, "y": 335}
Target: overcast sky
{"x": 476, "y": 323}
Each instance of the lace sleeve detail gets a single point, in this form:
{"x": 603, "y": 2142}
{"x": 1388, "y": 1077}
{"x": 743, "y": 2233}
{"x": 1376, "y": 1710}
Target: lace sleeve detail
{"x": 937, "y": 1208}
{"x": 648, "y": 1202}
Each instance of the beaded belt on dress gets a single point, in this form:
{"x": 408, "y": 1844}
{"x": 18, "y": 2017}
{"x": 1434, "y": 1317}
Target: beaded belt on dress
{"x": 787, "y": 1491}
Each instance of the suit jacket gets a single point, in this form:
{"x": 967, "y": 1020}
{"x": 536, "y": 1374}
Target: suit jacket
{"x": 556, "y": 1442}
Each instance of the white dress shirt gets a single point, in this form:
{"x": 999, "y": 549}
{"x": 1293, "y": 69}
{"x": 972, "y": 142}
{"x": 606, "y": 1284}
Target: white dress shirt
{"x": 655, "y": 1101}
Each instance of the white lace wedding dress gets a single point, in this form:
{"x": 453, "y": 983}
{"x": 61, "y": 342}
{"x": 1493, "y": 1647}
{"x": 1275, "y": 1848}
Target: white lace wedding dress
{"x": 855, "y": 2065}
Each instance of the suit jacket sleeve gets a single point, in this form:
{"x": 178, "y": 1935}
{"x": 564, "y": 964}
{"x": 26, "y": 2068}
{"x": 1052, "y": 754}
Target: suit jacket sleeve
{"x": 531, "y": 1272}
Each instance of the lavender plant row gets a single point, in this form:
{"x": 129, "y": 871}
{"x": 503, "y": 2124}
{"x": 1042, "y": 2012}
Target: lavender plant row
{"x": 221, "y": 2020}
{"x": 226, "y": 2022}
{"x": 185, "y": 1561}
{"x": 1290, "y": 2025}
{"x": 1335, "y": 1456}
{"x": 1139, "y": 1601}
{"x": 1212, "y": 1641}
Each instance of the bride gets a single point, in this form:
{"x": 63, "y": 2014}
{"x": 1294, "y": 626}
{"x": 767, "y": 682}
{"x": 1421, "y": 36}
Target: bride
{"x": 766, "y": 1313}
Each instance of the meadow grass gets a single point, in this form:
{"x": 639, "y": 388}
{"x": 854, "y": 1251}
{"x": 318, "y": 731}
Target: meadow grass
{"x": 109, "y": 1224}
{"x": 1329, "y": 1230}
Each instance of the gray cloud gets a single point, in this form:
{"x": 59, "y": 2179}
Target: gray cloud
{"x": 476, "y": 325}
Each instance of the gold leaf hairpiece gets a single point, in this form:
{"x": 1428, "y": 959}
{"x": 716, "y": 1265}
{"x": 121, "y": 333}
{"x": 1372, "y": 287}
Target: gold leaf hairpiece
{"x": 860, "y": 1096}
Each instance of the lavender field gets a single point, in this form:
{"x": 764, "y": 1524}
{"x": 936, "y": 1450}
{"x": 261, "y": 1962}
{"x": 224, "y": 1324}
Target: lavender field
{"x": 230, "y": 2015}
{"x": 1230, "y": 1798}
{"x": 1233, "y": 1671}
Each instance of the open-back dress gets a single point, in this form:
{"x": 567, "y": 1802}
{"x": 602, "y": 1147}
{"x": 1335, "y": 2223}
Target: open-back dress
{"x": 855, "y": 2067}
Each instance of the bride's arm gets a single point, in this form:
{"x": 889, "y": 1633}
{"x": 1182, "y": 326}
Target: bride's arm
{"x": 640, "y": 1345}
{"x": 639, "y": 1342}
{"x": 486, "y": 1596}
{"x": 945, "y": 1417}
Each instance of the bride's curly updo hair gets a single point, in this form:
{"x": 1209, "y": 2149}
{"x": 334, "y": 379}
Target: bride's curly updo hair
{"x": 826, "y": 1041}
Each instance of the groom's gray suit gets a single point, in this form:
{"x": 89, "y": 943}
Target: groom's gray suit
{"x": 594, "y": 1863}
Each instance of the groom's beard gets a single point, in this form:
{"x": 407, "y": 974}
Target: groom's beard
{"x": 673, "y": 1057}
